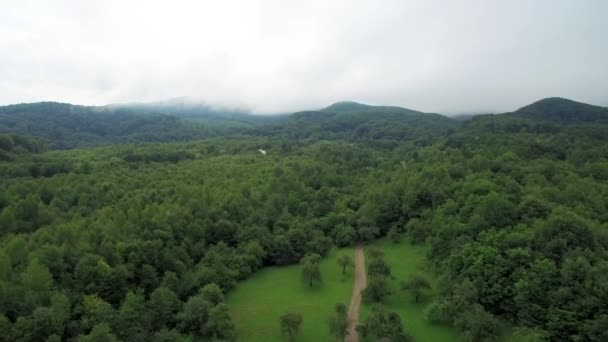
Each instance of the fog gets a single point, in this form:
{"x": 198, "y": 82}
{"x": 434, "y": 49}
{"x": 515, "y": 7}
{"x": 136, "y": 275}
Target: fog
{"x": 279, "y": 56}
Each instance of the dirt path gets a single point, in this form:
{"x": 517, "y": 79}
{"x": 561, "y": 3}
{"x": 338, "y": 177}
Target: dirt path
{"x": 355, "y": 299}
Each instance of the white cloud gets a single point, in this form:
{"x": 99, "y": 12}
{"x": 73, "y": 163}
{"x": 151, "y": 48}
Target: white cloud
{"x": 441, "y": 56}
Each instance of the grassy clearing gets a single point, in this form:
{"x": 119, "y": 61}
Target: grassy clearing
{"x": 405, "y": 258}
{"x": 257, "y": 303}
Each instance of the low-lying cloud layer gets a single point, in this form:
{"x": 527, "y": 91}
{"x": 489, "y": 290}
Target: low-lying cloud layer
{"x": 281, "y": 56}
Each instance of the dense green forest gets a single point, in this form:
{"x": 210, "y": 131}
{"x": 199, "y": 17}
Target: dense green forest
{"x": 66, "y": 126}
{"x": 142, "y": 241}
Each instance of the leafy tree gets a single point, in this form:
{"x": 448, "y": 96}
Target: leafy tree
{"x": 163, "y": 306}
{"x": 95, "y": 312}
{"x": 376, "y": 291}
{"x": 477, "y": 324}
{"x": 220, "y": 324}
{"x": 194, "y": 316}
{"x": 311, "y": 271}
{"x": 290, "y": 324}
{"x": 345, "y": 262}
{"x": 416, "y": 284}
{"x": 37, "y": 282}
{"x": 132, "y": 321}
{"x": 100, "y": 333}
{"x": 378, "y": 268}
{"x": 338, "y": 322}
{"x": 212, "y": 293}
{"x": 383, "y": 325}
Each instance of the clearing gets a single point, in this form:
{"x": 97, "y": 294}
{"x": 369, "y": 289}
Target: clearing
{"x": 257, "y": 302}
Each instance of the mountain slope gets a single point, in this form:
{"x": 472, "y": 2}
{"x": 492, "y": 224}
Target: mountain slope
{"x": 68, "y": 126}
{"x": 562, "y": 110}
{"x": 355, "y": 121}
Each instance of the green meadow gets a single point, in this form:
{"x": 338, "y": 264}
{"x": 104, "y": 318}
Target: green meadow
{"x": 257, "y": 303}
{"x": 405, "y": 258}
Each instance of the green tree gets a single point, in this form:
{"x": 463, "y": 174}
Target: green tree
{"x": 100, "y": 333}
{"x": 311, "y": 271}
{"x": 220, "y": 324}
{"x": 477, "y": 324}
{"x": 338, "y": 322}
{"x": 194, "y": 316}
{"x": 37, "y": 282}
{"x": 377, "y": 289}
{"x": 132, "y": 321}
{"x": 382, "y": 325}
{"x": 290, "y": 324}
{"x": 95, "y": 311}
{"x": 378, "y": 268}
{"x": 212, "y": 293}
{"x": 163, "y": 306}
{"x": 416, "y": 284}
{"x": 345, "y": 262}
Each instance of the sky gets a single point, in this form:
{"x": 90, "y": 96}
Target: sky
{"x": 450, "y": 57}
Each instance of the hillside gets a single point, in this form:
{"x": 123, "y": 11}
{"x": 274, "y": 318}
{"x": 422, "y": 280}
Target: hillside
{"x": 562, "y": 110}
{"x": 353, "y": 121}
{"x": 67, "y": 126}
{"x": 163, "y": 241}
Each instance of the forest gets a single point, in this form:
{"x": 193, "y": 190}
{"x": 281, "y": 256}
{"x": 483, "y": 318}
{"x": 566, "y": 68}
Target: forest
{"x": 118, "y": 225}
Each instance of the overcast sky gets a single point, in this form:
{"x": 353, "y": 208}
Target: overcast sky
{"x": 280, "y": 56}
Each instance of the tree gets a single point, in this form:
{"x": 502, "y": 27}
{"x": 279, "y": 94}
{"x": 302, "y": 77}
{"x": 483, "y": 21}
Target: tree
{"x": 394, "y": 235}
{"x": 100, "y": 333}
{"x": 220, "y": 324}
{"x": 163, "y": 306}
{"x": 310, "y": 268}
{"x": 416, "y": 284}
{"x": 477, "y": 324}
{"x": 194, "y": 316}
{"x": 378, "y": 268}
{"x": 346, "y": 262}
{"x": 377, "y": 289}
{"x": 95, "y": 311}
{"x": 37, "y": 282}
{"x": 381, "y": 325}
{"x": 338, "y": 322}
{"x": 290, "y": 324}
{"x": 132, "y": 320}
{"x": 212, "y": 293}
{"x": 374, "y": 252}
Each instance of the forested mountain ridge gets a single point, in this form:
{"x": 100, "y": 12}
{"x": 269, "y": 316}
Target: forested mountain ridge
{"x": 564, "y": 111}
{"x": 67, "y": 126}
{"x": 140, "y": 242}
{"x": 358, "y": 122}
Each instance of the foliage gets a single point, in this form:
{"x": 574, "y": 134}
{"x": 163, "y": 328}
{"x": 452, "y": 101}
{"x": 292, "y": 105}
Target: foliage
{"x": 382, "y": 325}
{"x": 338, "y": 322}
{"x": 346, "y": 263}
{"x": 290, "y": 324}
{"x": 416, "y": 284}
{"x": 310, "y": 269}
{"x": 512, "y": 209}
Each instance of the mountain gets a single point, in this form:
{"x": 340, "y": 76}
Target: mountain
{"x": 200, "y": 112}
{"x": 562, "y": 110}
{"x": 355, "y": 121}
{"x": 67, "y": 126}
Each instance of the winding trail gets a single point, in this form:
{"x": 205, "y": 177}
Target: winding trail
{"x": 355, "y": 299}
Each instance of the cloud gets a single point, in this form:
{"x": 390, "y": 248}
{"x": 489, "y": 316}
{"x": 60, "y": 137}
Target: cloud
{"x": 281, "y": 56}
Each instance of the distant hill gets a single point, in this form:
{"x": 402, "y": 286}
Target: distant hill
{"x": 562, "y": 110}
{"x": 67, "y": 126}
{"x": 356, "y": 121}
{"x": 199, "y": 112}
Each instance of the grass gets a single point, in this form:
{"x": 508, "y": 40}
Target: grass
{"x": 404, "y": 259}
{"x": 257, "y": 303}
